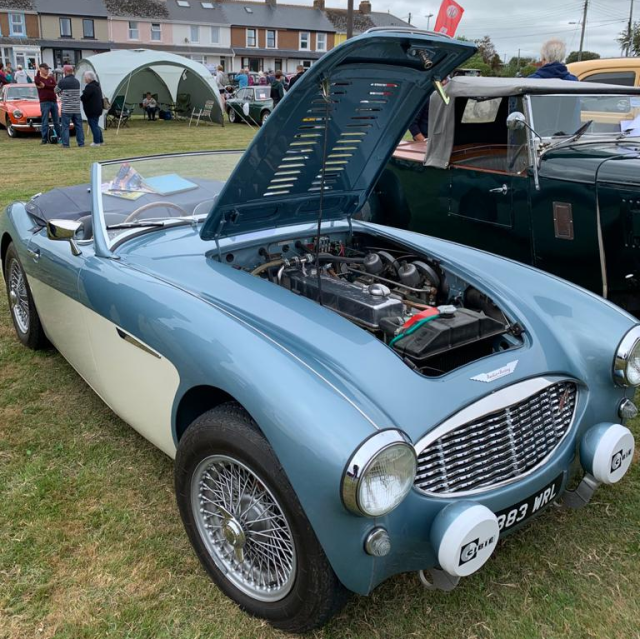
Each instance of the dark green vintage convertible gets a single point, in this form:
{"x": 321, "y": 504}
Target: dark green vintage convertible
{"x": 251, "y": 104}
{"x": 543, "y": 172}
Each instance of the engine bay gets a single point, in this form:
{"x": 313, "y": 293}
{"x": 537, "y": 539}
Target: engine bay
{"x": 431, "y": 318}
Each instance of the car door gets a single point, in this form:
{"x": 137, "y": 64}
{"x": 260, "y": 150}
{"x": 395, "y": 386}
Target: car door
{"x": 489, "y": 209}
{"x": 53, "y": 272}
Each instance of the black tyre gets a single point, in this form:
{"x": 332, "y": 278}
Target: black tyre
{"x": 23, "y": 309}
{"x": 264, "y": 116}
{"x": 233, "y": 116}
{"x": 11, "y": 130}
{"x": 255, "y": 541}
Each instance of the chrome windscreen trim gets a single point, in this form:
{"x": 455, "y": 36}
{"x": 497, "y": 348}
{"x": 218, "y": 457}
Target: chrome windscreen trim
{"x": 496, "y": 402}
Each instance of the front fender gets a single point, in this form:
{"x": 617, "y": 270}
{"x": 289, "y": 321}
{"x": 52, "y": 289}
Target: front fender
{"x": 313, "y": 436}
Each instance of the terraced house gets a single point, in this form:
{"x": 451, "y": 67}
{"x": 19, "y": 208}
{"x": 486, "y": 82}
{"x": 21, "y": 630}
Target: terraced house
{"x": 19, "y": 33}
{"x": 233, "y": 33}
{"x": 71, "y": 30}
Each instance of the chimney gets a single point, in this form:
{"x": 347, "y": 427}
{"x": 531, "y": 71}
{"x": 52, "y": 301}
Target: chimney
{"x": 318, "y": 4}
{"x": 365, "y": 7}
{"x": 271, "y": 3}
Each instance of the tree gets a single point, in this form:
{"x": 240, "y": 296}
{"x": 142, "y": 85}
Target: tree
{"x": 586, "y": 55}
{"x": 486, "y": 49}
{"x": 624, "y": 39}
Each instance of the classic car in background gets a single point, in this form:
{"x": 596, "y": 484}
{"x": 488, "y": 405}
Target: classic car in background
{"x": 344, "y": 401}
{"x": 20, "y": 109}
{"x": 545, "y": 172}
{"x": 622, "y": 71}
{"x": 251, "y": 104}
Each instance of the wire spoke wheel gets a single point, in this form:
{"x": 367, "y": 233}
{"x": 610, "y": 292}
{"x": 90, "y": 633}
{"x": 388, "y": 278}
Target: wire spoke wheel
{"x": 19, "y": 297}
{"x": 244, "y": 528}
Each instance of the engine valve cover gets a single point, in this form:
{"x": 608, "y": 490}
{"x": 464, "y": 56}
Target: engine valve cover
{"x": 361, "y": 305}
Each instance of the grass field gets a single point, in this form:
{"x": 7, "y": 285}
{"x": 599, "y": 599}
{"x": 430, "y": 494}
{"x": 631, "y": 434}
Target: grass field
{"x": 91, "y": 544}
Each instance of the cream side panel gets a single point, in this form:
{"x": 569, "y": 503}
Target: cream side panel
{"x": 64, "y": 324}
{"x": 139, "y": 385}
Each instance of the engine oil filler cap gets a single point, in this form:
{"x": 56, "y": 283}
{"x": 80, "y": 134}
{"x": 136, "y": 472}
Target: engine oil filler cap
{"x": 464, "y": 535}
{"x": 379, "y": 290}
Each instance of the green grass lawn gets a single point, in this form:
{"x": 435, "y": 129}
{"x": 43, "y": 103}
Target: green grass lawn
{"x": 91, "y": 543}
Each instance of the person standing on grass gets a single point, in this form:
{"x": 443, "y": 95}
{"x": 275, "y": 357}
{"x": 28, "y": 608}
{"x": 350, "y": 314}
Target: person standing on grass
{"x": 3, "y": 77}
{"x": 46, "y": 85}
{"x": 277, "y": 88}
{"x": 300, "y": 72}
{"x": 243, "y": 79}
{"x": 92, "y": 103}
{"x": 8, "y": 73}
{"x": 21, "y": 76}
{"x": 69, "y": 91}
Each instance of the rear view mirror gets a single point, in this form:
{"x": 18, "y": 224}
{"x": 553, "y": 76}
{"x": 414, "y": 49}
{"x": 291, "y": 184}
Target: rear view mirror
{"x": 516, "y": 121}
{"x": 64, "y": 231}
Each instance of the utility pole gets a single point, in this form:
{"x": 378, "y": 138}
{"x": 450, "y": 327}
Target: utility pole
{"x": 630, "y": 29}
{"x": 584, "y": 27}
{"x": 349, "y": 19}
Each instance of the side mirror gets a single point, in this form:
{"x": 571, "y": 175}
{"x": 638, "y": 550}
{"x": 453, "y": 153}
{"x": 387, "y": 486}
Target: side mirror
{"x": 516, "y": 121}
{"x": 64, "y": 231}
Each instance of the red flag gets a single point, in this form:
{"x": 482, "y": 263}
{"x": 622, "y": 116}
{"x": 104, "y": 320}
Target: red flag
{"x": 449, "y": 17}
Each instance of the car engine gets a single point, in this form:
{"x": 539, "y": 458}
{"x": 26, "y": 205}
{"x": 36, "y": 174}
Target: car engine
{"x": 433, "y": 320}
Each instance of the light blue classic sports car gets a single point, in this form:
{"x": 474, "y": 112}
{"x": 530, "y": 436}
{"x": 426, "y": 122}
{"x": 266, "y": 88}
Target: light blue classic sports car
{"x": 344, "y": 401}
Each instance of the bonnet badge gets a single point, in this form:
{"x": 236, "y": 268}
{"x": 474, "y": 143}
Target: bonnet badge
{"x": 505, "y": 370}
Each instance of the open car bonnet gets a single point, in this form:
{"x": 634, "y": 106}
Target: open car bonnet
{"x": 346, "y": 114}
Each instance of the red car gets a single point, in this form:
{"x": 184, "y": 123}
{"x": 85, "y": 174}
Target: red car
{"x": 20, "y": 109}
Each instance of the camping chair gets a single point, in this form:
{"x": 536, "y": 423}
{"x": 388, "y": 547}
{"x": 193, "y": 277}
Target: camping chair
{"x": 118, "y": 113}
{"x": 183, "y": 105}
{"x": 202, "y": 113}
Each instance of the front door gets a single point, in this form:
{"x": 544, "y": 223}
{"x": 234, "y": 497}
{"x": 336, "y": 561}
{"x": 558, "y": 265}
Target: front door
{"x": 490, "y": 210}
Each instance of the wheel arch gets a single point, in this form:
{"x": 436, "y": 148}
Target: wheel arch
{"x": 4, "y": 247}
{"x": 195, "y": 402}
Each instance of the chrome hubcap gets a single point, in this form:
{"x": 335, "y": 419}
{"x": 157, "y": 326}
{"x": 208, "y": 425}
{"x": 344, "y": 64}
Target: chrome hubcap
{"x": 243, "y": 528}
{"x": 18, "y": 297}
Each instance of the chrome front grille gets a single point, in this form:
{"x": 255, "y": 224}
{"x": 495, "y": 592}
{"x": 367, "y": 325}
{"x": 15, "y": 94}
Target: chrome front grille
{"x": 499, "y": 446}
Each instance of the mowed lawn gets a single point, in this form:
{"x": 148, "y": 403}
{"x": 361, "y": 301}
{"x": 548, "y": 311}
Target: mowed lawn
{"x": 91, "y": 543}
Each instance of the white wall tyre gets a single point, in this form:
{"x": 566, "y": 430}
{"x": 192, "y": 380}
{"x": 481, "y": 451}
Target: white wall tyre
{"x": 247, "y": 527}
{"x": 23, "y": 309}
{"x": 233, "y": 116}
{"x": 264, "y": 116}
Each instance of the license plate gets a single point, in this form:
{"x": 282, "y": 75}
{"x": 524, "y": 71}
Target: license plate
{"x": 528, "y": 507}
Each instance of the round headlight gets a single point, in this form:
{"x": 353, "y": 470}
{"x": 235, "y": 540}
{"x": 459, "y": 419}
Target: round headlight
{"x": 17, "y": 114}
{"x": 380, "y": 474}
{"x": 626, "y": 367}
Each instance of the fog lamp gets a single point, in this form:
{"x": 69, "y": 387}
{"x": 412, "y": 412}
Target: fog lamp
{"x": 627, "y": 410}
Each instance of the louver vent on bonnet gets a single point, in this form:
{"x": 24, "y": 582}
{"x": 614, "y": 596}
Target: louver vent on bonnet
{"x": 331, "y": 136}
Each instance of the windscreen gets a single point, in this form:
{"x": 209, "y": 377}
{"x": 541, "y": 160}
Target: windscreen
{"x": 153, "y": 191}
{"x": 563, "y": 115}
{"x": 22, "y": 93}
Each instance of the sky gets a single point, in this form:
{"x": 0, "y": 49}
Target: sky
{"x": 523, "y": 24}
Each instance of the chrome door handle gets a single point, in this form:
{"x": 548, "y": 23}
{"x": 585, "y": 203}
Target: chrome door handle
{"x": 504, "y": 189}
{"x": 35, "y": 255}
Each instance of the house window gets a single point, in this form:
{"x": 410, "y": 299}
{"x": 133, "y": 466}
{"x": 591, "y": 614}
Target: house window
{"x": 271, "y": 39}
{"x": 65, "y": 28}
{"x": 156, "y": 32}
{"x": 252, "y": 41}
{"x": 16, "y": 25}
{"x": 207, "y": 5}
{"x": 277, "y": 66}
{"x": 306, "y": 63}
{"x": 215, "y": 35}
{"x": 198, "y": 58}
{"x": 321, "y": 41}
{"x": 88, "y": 30}
{"x": 182, "y": 3}
{"x": 134, "y": 32}
{"x": 304, "y": 40}
{"x": 195, "y": 33}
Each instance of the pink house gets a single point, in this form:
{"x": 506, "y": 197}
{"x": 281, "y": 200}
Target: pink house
{"x": 142, "y": 32}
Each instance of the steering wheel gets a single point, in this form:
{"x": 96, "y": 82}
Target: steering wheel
{"x": 149, "y": 205}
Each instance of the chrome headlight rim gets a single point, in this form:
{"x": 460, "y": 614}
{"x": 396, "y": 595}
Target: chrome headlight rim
{"x": 17, "y": 114}
{"x": 624, "y": 352}
{"x": 362, "y": 460}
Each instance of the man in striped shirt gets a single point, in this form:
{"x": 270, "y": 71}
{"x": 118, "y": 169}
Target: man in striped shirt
{"x": 69, "y": 91}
